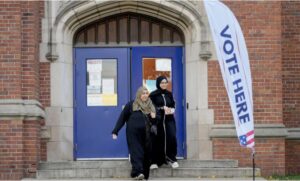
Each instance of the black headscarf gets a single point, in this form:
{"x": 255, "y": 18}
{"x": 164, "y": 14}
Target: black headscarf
{"x": 160, "y": 91}
{"x": 158, "y": 81}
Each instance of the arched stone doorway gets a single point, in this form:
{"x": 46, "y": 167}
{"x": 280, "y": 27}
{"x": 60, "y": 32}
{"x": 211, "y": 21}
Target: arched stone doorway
{"x": 113, "y": 57}
{"x": 65, "y": 18}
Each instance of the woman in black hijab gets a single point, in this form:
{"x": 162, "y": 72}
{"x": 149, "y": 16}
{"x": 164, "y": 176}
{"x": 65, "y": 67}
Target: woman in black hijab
{"x": 164, "y": 145}
{"x": 138, "y": 115}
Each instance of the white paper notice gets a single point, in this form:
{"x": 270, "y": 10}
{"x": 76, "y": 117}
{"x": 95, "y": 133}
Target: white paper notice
{"x": 95, "y": 78}
{"x": 94, "y": 65}
{"x": 108, "y": 86}
{"x": 163, "y": 64}
{"x": 94, "y": 100}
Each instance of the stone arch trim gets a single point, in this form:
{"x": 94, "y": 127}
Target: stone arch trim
{"x": 73, "y": 15}
{"x": 106, "y": 8}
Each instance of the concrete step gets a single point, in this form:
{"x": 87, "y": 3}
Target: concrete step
{"x": 159, "y": 173}
{"x": 126, "y": 164}
{"x": 208, "y": 163}
{"x": 120, "y": 169}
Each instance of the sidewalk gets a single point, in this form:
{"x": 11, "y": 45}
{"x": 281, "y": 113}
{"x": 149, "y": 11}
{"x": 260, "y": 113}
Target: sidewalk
{"x": 164, "y": 179}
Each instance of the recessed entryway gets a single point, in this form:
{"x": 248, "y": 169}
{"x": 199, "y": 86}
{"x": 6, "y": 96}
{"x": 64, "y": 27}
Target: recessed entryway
{"x": 105, "y": 80}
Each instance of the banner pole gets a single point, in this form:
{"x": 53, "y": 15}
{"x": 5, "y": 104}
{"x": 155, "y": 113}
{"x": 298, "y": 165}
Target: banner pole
{"x": 253, "y": 163}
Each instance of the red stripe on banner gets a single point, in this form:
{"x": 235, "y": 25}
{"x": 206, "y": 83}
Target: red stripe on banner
{"x": 250, "y": 141}
{"x": 250, "y": 133}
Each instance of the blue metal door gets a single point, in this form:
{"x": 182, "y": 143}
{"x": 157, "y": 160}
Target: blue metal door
{"x": 166, "y": 61}
{"x": 101, "y": 89}
{"x": 103, "y": 85}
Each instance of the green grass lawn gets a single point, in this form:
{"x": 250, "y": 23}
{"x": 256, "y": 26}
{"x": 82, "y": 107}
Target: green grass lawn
{"x": 288, "y": 177}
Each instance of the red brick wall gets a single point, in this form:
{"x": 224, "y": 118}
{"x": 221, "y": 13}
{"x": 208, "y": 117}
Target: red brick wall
{"x": 11, "y": 149}
{"x": 217, "y": 96}
{"x": 10, "y": 50}
{"x": 45, "y": 84}
{"x": 291, "y": 79}
{"x": 292, "y": 157}
{"x": 44, "y": 73}
{"x": 291, "y": 63}
{"x": 262, "y": 31}
{"x": 44, "y": 99}
{"x": 19, "y": 148}
{"x": 41, "y": 14}
{"x": 11, "y": 137}
{"x": 20, "y": 27}
{"x": 30, "y": 49}
{"x": 269, "y": 157}
{"x": 43, "y": 149}
{"x": 31, "y": 147}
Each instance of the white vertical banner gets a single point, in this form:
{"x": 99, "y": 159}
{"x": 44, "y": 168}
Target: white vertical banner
{"x": 234, "y": 64}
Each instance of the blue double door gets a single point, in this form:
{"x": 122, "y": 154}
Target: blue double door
{"x": 105, "y": 80}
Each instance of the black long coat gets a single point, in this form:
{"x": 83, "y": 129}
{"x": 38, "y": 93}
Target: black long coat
{"x": 164, "y": 145}
{"x": 138, "y": 138}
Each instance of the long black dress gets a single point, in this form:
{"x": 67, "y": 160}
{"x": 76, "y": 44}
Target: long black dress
{"x": 164, "y": 145}
{"x": 138, "y": 138}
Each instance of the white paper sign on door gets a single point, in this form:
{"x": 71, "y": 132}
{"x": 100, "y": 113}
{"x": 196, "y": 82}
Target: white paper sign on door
{"x": 108, "y": 86}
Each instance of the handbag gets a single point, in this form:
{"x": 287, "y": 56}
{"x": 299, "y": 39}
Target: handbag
{"x": 153, "y": 127}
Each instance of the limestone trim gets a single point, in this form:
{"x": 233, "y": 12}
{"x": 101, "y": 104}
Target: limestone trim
{"x": 45, "y": 132}
{"x": 66, "y": 18}
{"x": 293, "y": 134}
{"x": 21, "y": 109}
{"x": 261, "y": 130}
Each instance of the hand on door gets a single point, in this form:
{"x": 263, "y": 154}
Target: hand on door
{"x": 114, "y": 136}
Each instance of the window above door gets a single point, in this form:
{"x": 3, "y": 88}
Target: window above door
{"x": 128, "y": 29}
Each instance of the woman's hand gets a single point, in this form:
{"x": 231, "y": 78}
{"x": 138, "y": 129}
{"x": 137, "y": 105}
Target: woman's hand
{"x": 167, "y": 110}
{"x": 152, "y": 114}
{"x": 114, "y": 136}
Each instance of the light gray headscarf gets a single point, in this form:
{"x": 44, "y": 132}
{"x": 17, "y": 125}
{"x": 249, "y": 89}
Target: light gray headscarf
{"x": 145, "y": 106}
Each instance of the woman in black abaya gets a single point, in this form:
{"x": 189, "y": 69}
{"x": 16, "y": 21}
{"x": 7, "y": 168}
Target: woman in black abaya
{"x": 164, "y": 147}
{"x": 138, "y": 115}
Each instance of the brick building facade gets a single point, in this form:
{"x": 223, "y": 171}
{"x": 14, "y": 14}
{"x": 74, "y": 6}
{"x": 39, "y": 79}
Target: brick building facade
{"x": 36, "y": 116}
